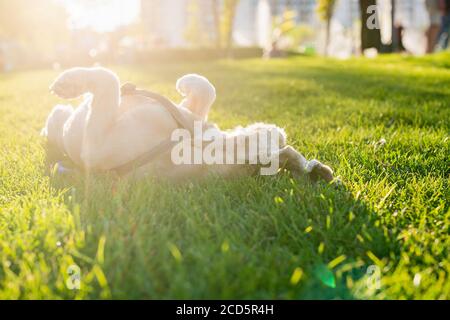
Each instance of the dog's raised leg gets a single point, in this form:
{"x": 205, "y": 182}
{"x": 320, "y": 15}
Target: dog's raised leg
{"x": 199, "y": 94}
{"x": 317, "y": 170}
{"x": 105, "y": 89}
{"x": 295, "y": 162}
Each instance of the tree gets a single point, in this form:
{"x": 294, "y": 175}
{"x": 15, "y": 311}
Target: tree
{"x": 215, "y": 7}
{"x": 223, "y": 13}
{"x": 40, "y": 25}
{"x": 282, "y": 26}
{"x": 325, "y": 8}
{"x": 227, "y": 22}
{"x": 370, "y": 31}
{"x": 194, "y": 32}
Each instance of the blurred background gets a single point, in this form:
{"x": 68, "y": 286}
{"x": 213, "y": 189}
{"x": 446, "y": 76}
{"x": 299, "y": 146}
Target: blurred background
{"x": 63, "y": 33}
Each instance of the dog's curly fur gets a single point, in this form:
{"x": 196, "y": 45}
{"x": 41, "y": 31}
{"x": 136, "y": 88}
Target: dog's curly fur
{"x": 107, "y": 130}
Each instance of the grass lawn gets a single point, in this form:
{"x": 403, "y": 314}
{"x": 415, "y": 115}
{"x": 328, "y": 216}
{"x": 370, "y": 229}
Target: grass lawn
{"x": 257, "y": 237}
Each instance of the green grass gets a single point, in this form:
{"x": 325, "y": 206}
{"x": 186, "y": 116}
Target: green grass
{"x": 256, "y": 237}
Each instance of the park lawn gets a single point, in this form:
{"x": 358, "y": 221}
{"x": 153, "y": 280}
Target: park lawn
{"x": 253, "y": 237}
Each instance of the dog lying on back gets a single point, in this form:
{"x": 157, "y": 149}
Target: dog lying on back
{"x": 110, "y": 130}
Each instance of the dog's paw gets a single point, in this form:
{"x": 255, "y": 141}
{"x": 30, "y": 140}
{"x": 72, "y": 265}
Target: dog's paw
{"x": 70, "y": 84}
{"x": 317, "y": 170}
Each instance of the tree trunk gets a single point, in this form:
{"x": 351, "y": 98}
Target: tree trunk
{"x": 232, "y": 4}
{"x": 370, "y": 38}
{"x": 397, "y": 43}
{"x": 327, "y": 36}
{"x": 216, "y": 18}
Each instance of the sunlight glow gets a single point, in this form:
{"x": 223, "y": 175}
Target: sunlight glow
{"x": 102, "y": 15}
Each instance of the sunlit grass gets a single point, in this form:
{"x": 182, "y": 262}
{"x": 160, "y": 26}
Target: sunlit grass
{"x": 251, "y": 237}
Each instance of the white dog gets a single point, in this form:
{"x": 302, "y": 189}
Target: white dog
{"x": 109, "y": 130}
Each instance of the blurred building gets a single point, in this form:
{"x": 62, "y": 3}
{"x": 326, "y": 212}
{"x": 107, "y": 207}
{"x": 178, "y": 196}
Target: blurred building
{"x": 165, "y": 21}
{"x": 8, "y": 55}
{"x": 305, "y": 9}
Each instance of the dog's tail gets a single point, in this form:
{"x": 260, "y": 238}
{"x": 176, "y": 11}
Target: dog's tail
{"x": 54, "y": 126}
{"x": 199, "y": 94}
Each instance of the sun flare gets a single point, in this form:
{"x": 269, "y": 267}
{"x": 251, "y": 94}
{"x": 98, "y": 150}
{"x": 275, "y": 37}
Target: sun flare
{"x": 102, "y": 16}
